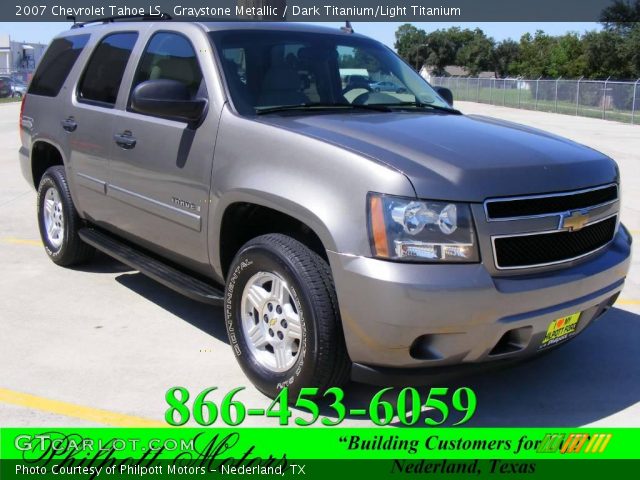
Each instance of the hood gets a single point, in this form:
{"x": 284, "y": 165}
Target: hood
{"x": 460, "y": 157}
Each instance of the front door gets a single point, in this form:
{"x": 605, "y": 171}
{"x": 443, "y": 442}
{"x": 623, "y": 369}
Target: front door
{"x": 161, "y": 168}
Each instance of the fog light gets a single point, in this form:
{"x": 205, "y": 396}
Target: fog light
{"x": 433, "y": 251}
{"x": 404, "y": 249}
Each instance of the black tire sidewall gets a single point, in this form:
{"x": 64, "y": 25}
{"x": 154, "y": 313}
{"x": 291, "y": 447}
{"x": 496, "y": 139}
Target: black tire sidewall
{"x": 250, "y": 261}
{"x": 50, "y": 180}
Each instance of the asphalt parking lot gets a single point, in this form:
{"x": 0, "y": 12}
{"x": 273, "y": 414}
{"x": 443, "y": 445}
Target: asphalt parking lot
{"x": 100, "y": 345}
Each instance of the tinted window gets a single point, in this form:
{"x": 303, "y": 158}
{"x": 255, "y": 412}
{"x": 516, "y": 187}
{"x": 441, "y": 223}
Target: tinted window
{"x": 102, "y": 77}
{"x": 56, "y": 65}
{"x": 169, "y": 56}
{"x": 266, "y": 68}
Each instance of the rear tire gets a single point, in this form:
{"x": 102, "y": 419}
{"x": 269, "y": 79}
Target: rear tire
{"x": 282, "y": 317}
{"x": 59, "y": 221}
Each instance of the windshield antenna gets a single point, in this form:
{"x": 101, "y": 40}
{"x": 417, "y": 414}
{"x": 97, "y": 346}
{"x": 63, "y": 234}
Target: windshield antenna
{"x": 347, "y": 27}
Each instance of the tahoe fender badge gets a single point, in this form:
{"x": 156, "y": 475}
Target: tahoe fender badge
{"x": 184, "y": 204}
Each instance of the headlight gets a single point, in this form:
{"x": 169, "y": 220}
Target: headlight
{"x": 421, "y": 230}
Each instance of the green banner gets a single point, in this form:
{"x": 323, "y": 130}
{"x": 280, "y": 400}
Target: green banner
{"x": 325, "y": 443}
{"x": 375, "y": 452}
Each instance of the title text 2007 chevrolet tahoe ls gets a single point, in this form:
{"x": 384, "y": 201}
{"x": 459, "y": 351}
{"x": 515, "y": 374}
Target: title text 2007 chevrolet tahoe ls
{"x": 359, "y": 233}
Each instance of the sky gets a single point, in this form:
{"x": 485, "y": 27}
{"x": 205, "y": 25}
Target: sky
{"x": 43, "y": 32}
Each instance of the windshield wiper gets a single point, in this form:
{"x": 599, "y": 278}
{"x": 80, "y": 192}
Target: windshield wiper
{"x": 322, "y": 106}
{"x": 417, "y": 104}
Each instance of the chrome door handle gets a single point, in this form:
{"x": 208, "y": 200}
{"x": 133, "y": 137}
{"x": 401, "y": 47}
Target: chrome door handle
{"x": 125, "y": 140}
{"x": 69, "y": 124}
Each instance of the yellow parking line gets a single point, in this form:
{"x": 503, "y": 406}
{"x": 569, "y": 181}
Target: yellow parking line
{"x": 22, "y": 241}
{"x": 627, "y": 301}
{"x": 89, "y": 414}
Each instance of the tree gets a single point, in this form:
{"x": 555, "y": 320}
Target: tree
{"x": 410, "y": 44}
{"x": 441, "y": 50}
{"x": 476, "y": 55}
{"x": 505, "y": 58}
{"x": 535, "y": 51}
{"x": 613, "y": 52}
{"x": 566, "y": 57}
{"x": 621, "y": 16}
{"x": 441, "y": 47}
{"x": 631, "y": 49}
{"x": 605, "y": 55}
{"x": 361, "y": 59}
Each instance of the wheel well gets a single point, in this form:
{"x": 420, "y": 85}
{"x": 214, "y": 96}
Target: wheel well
{"x": 43, "y": 156}
{"x": 243, "y": 221}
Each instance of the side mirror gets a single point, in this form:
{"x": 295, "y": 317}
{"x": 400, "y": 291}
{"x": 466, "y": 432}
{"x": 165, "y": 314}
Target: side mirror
{"x": 446, "y": 94}
{"x": 167, "y": 98}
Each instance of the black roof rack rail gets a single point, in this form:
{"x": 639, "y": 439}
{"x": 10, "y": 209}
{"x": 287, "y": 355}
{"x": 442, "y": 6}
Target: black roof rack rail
{"x": 156, "y": 17}
{"x": 347, "y": 27}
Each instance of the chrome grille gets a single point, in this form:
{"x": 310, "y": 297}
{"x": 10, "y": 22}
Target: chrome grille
{"x": 541, "y": 249}
{"x": 538, "y": 205}
{"x": 577, "y": 224}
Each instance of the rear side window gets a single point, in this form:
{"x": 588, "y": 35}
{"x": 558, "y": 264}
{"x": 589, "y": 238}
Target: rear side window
{"x": 170, "y": 56}
{"x": 101, "y": 79}
{"x": 56, "y": 65}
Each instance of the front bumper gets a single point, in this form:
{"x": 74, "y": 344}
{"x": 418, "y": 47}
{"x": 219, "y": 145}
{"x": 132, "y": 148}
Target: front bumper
{"x": 411, "y": 317}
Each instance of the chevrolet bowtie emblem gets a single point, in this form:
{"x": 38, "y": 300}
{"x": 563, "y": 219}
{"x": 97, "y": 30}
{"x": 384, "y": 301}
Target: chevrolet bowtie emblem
{"x": 574, "y": 221}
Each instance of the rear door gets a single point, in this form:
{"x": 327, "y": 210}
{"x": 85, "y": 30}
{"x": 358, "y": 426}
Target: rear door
{"x": 161, "y": 168}
{"x": 87, "y": 120}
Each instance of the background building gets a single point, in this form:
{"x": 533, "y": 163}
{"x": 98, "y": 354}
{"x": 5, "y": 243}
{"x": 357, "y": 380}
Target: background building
{"x": 19, "y": 58}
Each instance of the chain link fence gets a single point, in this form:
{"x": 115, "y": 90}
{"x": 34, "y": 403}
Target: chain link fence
{"x": 606, "y": 99}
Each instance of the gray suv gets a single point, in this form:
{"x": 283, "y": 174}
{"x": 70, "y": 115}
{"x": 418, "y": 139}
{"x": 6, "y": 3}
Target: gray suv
{"x": 346, "y": 232}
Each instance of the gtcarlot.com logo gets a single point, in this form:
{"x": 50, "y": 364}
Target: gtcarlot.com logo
{"x": 574, "y": 443}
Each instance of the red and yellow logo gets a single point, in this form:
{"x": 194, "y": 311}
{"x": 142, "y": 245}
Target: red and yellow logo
{"x": 574, "y": 443}
{"x": 561, "y": 329}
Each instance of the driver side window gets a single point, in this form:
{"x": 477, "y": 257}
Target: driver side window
{"x": 169, "y": 56}
{"x": 362, "y": 72}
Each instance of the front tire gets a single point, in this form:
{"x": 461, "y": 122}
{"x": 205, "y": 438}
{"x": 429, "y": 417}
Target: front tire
{"x": 282, "y": 317}
{"x": 59, "y": 221}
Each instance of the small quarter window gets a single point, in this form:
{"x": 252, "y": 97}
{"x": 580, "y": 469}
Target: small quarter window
{"x": 56, "y": 64}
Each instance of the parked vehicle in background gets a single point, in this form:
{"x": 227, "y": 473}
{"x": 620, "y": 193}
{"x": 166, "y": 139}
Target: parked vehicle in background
{"x": 5, "y": 87}
{"x": 12, "y": 87}
{"x": 345, "y": 232}
{"x": 387, "y": 87}
{"x": 18, "y": 89}
{"x": 357, "y": 81}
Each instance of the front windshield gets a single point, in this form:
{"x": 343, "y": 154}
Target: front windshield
{"x": 266, "y": 69}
